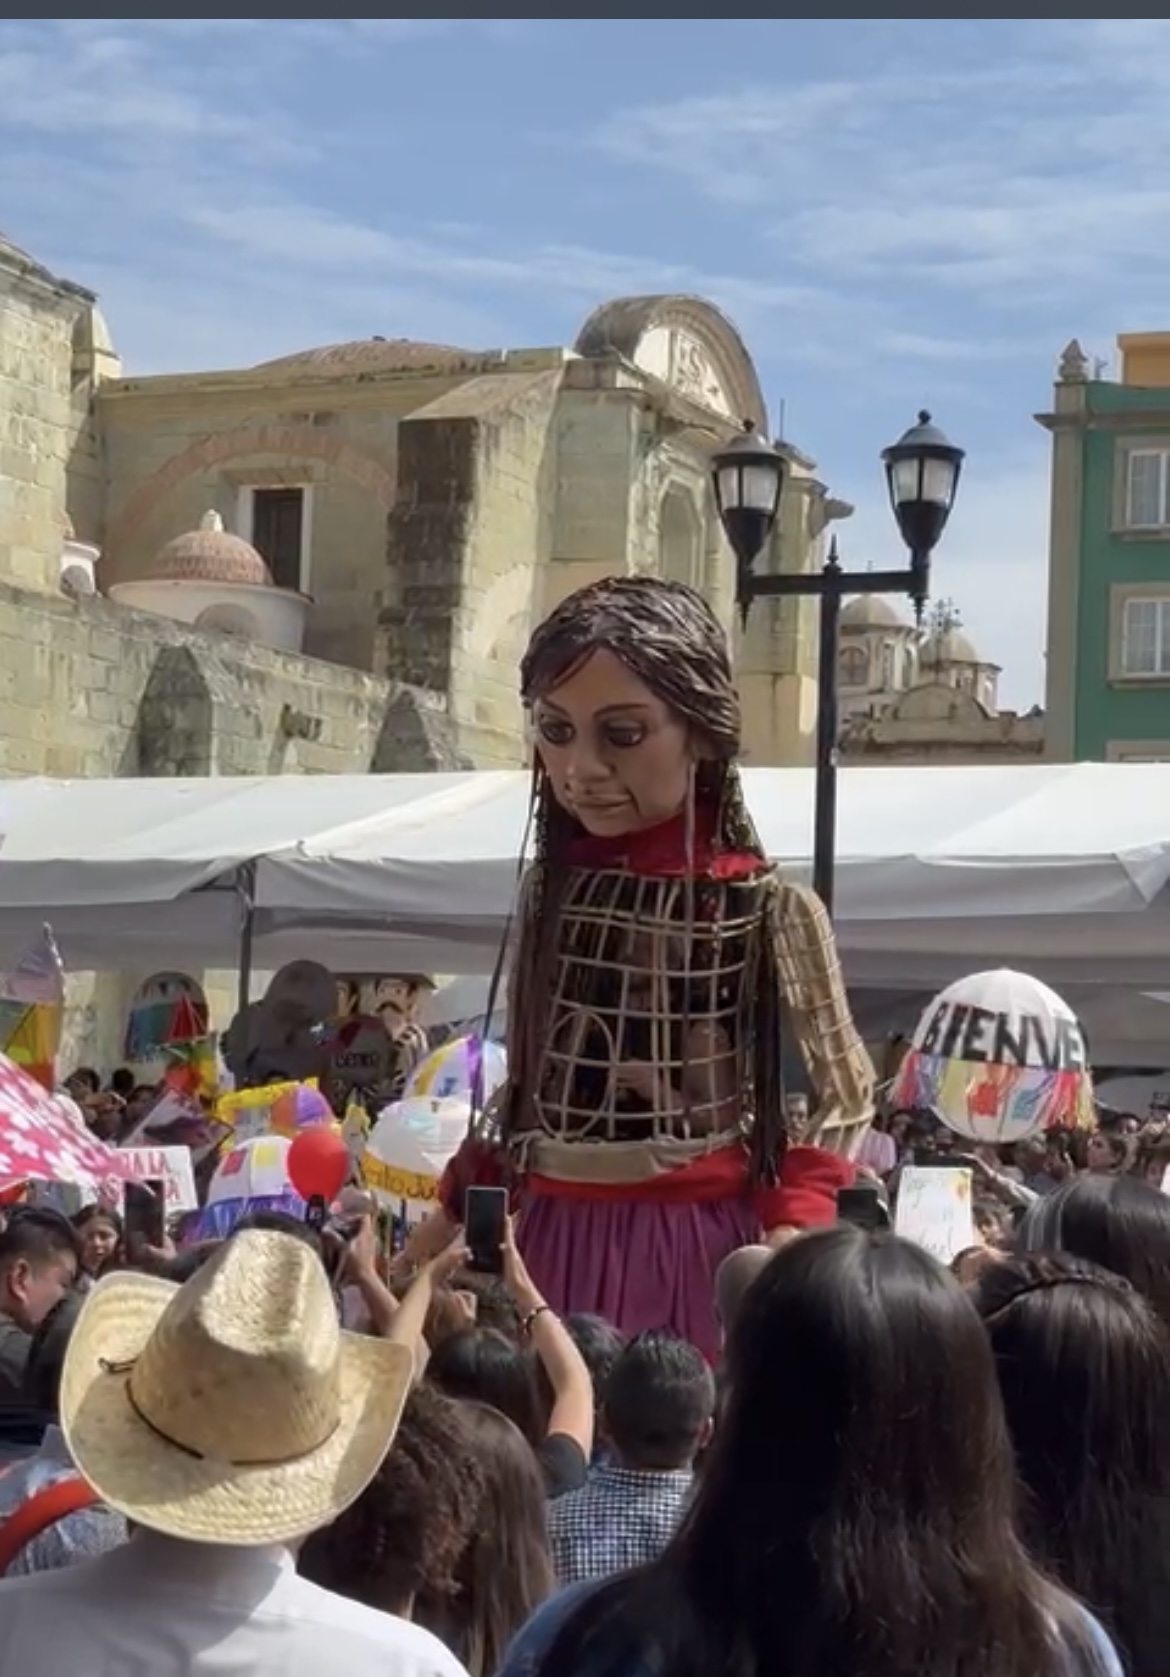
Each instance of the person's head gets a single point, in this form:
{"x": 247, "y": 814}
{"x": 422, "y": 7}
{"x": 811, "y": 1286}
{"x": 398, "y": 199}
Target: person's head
{"x": 232, "y": 1409}
{"x": 1084, "y": 1368}
{"x": 46, "y": 1355}
{"x": 659, "y": 1404}
{"x": 83, "y": 1084}
{"x": 506, "y": 1570}
{"x": 1153, "y": 1159}
{"x": 495, "y": 1305}
{"x": 599, "y": 1343}
{"x": 486, "y": 1366}
{"x": 39, "y": 1261}
{"x": 1114, "y": 1221}
{"x": 1108, "y": 1151}
{"x": 402, "y": 1540}
{"x": 733, "y": 1278}
{"x": 123, "y": 1082}
{"x": 990, "y": 1221}
{"x": 862, "y": 1460}
{"x": 99, "y": 1234}
{"x": 279, "y": 1222}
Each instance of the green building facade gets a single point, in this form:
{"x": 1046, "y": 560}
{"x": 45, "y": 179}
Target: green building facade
{"x": 1108, "y": 659}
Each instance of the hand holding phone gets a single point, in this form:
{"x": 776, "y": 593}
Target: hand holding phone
{"x": 863, "y": 1206}
{"x": 485, "y": 1227}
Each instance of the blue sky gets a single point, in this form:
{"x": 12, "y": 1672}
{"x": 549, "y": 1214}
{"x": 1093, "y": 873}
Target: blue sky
{"x": 896, "y": 214}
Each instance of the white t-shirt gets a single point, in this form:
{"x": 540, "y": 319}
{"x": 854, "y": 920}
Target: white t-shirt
{"x": 159, "y": 1608}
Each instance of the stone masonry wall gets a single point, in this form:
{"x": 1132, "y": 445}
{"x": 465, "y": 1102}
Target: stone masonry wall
{"x": 90, "y": 688}
{"x": 36, "y": 421}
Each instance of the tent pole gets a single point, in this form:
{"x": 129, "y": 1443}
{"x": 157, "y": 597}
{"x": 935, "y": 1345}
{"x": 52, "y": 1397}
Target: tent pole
{"x": 246, "y": 887}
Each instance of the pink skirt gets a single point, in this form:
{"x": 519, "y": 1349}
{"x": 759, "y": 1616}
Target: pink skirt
{"x": 639, "y": 1264}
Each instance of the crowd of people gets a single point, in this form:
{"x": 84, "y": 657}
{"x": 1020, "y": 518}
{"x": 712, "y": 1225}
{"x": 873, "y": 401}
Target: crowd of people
{"x": 890, "y": 1470}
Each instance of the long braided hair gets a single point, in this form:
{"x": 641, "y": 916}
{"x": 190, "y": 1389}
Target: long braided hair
{"x": 666, "y": 634}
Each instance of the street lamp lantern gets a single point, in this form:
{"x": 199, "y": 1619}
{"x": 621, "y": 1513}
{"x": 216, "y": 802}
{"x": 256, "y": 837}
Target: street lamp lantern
{"x": 922, "y": 475}
{"x": 748, "y": 477}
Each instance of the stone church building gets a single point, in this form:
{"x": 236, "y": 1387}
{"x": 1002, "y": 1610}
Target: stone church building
{"x": 332, "y": 561}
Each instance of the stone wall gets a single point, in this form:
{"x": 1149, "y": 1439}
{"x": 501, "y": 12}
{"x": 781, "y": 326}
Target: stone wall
{"x": 469, "y": 542}
{"x": 37, "y": 419}
{"x": 90, "y": 688}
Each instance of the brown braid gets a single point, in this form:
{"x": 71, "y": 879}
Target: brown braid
{"x": 667, "y": 635}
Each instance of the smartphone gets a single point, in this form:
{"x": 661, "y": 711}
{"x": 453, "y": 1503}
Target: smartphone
{"x": 862, "y": 1206}
{"x": 485, "y": 1217}
{"x": 144, "y": 1211}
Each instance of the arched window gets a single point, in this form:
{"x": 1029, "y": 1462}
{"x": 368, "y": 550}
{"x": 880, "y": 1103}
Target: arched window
{"x": 852, "y": 667}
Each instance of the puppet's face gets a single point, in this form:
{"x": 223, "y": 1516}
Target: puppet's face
{"x": 616, "y": 756}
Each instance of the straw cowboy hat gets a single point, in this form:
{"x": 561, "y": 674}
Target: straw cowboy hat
{"x": 233, "y": 1409}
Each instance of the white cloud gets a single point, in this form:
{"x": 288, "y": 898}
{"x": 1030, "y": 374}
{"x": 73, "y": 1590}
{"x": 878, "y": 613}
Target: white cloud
{"x": 1044, "y": 170}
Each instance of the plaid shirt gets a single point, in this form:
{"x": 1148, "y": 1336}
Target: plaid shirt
{"x": 619, "y": 1518}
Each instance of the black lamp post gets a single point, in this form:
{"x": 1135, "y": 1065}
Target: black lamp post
{"x": 922, "y": 476}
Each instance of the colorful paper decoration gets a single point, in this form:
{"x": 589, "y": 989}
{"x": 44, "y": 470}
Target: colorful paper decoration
{"x": 468, "y": 1068}
{"x": 248, "y": 1111}
{"x": 32, "y": 1009}
{"x": 298, "y": 1108}
{"x": 998, "y": 1056}
{"x": 168, "y": 1008}
{"x": 252, "y": 1176}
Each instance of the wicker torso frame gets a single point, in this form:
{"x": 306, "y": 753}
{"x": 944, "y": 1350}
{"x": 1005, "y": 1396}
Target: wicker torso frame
{"x": 647, "y": 1034}
{"x": 647, "y": 1029}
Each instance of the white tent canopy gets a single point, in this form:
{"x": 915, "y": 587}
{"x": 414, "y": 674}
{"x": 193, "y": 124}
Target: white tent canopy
{"x": 1051, "y": 867}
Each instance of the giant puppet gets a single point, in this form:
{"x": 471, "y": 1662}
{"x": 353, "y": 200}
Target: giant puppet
{"x": 658, "y": 961}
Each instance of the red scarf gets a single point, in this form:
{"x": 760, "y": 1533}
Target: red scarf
{"x": 661, "y": 851}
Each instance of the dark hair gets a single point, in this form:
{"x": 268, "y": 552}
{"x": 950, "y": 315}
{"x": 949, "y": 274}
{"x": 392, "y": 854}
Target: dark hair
{"x": 505, "y": 1572}
{"x": 659, "y": 1400}
{"x": 856, "y": 1512}
{"x": 495, "y": 1304}
{"x": 600, "y": 1345}
{"x": 281, "y": 1222}
{"x": 1084, "y": 1369}
{"x": 402, "y": 1540}
{"x": 485, "y": 1365}
{"x": 1115, "y": 1221}
{"x": 41, "y": 1386}
{"x": 667, "y": 635}
{"x": 85, "y": 1074}
{"x": 37, "y": 1235}
{"x": 123, "y": 1082}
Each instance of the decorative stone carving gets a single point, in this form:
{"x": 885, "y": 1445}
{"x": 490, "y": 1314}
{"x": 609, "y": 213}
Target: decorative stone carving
{"x": 1073, "y": 367}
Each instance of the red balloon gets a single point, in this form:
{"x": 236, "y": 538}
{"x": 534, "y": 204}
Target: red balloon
{"x": 318, "y": 1163}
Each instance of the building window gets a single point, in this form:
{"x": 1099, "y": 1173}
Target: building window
{"x": 852, "y": 667}
{"x": 889, "y": 666}
{"x": 277, "y": 523}
{"x": 1147, "y": 489}
{"x": 1145, "y": 638}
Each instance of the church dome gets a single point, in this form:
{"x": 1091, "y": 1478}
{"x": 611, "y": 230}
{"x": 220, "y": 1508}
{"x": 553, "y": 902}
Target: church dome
{"x": 372, "y": 355}
{"x": 871, "y": 611}
{"x": 951, "y": 646}
{"x": 210, "y": 554}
